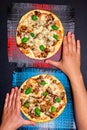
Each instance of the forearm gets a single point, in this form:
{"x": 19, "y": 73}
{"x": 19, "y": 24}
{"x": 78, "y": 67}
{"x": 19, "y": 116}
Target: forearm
{"x": 6, "y": 128}
{"x": 80, "y": 101}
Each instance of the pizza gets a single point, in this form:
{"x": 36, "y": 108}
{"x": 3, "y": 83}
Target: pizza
{"x": 39, "y": 34}
{"x": 43, "y": 98}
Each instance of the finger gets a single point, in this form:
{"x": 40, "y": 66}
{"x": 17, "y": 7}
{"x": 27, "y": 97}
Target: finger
{"x": 65, "y": 45}
{"x": 26, "y": 122}
{"x": 73, "y": 43}
{"x": 18, "y": 100}
{"x": 54, "y": 63}
{"x": 10, "y": 98}
{"x": 6, "y": 101}
{"x": 14, "y": 98}
{"x": 69, "y": 39}
{"x": 78, "y": 47}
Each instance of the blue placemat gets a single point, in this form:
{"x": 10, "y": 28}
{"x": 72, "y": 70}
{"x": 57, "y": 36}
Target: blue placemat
{"x": 66, "y": 120}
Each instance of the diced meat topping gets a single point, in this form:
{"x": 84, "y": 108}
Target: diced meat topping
{"x": 40, "y": 29}
{"x": 62, "y": 95}
{"x": 40, "y": 101}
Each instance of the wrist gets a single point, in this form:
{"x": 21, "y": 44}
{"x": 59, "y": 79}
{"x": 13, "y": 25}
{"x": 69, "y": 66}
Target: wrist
{"x": 77, "y": 83}
{"x": 75, "y": 77}
{"x": 5, "y": 128}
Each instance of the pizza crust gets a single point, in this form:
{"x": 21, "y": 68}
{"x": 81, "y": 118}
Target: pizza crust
{"x": 45, "y": 120}
{"x": 52, "y": 50}
{"x": 61, "y": 106}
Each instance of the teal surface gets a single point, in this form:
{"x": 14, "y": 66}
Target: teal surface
{"x": 66, "y": 120}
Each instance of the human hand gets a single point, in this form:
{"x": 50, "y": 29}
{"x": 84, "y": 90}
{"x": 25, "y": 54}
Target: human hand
{"x": 70, "y": 62}
{"x": 11, "y": 118}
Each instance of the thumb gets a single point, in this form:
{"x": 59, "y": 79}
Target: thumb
{"x": 54, "y": 63}
{"x": 27, "y": 122}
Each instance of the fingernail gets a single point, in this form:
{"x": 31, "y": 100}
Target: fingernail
{"x": 12, "y": 89}
{"x": 72, "y": 34}
{"x": 16, "y": 88}
{"x": 7, "y": 94}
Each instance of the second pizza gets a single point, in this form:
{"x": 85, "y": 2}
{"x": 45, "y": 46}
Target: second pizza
{"x": 43, "y": 98}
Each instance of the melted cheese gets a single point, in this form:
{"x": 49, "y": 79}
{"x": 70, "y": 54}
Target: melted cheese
{"x": 38, "y": 100}
{"x": 43, "y": 33}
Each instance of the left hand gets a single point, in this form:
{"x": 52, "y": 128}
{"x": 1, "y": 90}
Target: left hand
{"x": 11, "y": 118}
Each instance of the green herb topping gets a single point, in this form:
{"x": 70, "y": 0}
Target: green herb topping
{"x": 34, "y": 17}
{"x": 42, "y": 47}
{"x": 54, "y": 27}
{"x": 42, "y": 83}
{"x": 55, "y": 36}
{"x": 45, "y": 94}
{"x": 53, "y": 109}
{"x": 28, "y": 91}
{"x": 32, "y": 34}
{"x": 26, "y": 104}
{"x": 58, "y": 100}
{"x": 24, "y": 39}
{"x": 37, "y": 111}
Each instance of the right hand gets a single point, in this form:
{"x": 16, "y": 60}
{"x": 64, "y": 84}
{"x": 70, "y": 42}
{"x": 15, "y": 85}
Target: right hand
{"x": 70, "y": 62}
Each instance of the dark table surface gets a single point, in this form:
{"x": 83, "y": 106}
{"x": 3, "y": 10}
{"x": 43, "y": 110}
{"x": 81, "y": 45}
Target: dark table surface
{"x": 80, "y": 31}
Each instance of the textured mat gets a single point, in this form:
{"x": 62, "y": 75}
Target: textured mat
{"x": 15, "y": 11}
{"x": 66, "y": 120}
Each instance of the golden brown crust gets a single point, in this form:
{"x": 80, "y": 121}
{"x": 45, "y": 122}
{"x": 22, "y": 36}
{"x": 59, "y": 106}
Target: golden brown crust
{"x": 44, "y": 103}
{"x": 28, "y": 50}
{"x": 39, "y": 120}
